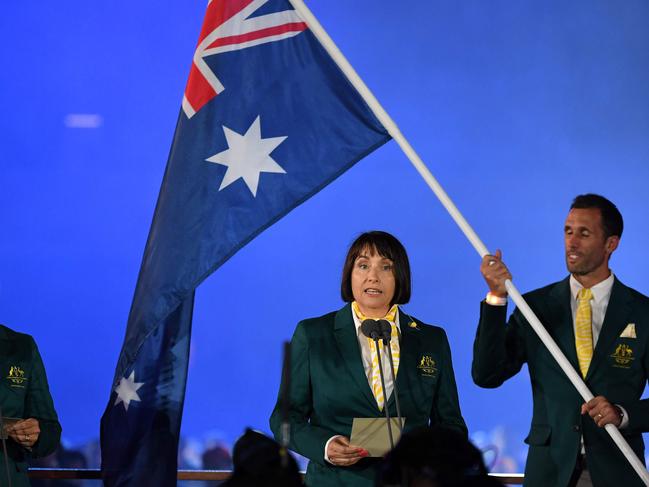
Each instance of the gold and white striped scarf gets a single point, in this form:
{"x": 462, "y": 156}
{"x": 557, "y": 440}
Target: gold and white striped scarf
{"x": 375, "y": 373}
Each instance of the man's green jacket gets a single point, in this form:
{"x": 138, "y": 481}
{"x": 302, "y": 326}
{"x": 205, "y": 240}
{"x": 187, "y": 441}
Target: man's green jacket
{"x": 618, "y": 371}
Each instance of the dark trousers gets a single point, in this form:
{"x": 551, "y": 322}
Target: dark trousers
{"x": 580, "y": 475}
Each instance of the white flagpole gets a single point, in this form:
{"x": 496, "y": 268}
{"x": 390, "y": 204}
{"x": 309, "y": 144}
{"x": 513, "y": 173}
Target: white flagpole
{"x": 459, "y": 219}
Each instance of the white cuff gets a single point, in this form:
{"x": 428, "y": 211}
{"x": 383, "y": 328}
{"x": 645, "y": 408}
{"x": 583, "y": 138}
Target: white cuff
{"x": 494, "y": 300}
{"x": 326, "y": 457}
{"x": 625, "y": 418}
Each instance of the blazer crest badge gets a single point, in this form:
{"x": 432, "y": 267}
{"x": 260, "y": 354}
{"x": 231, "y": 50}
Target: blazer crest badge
{"x": 16, "y": 376}
{"x": 623, "y": 356}
{"x": 427, "y": 366}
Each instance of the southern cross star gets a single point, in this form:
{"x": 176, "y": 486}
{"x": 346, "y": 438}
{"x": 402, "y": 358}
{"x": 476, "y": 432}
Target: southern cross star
{"x": 247, "y": 156}
{"x": 127, "y": 390}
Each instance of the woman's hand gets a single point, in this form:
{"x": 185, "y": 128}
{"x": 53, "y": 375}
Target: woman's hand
{"x": 24, "y": 432}
{"x": 341, "y": 454}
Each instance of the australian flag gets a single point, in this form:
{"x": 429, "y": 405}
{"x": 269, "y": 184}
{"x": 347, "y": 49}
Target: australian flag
{"x": 267, "y": 120}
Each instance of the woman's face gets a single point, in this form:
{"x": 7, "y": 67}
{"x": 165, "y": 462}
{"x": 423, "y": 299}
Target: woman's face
{"x": 373, "y": 283}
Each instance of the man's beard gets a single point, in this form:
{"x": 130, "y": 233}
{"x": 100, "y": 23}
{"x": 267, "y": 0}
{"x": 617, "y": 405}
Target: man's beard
{"x": 582, "y": 267}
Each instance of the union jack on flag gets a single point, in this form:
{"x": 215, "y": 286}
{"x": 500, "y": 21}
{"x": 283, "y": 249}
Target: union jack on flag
{"x": 228, "y": 27}
{"x": 267, "y": 120}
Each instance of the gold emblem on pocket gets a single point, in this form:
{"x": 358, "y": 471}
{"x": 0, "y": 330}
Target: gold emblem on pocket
{"x": 16, "y": 376}
{"x": 623, "y": 356}
{"x": 427, "y": 366}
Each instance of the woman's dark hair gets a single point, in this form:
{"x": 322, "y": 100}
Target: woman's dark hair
{"x": 387, "y": 246}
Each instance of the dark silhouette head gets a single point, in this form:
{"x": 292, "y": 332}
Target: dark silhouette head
{"x": 434, "y": 457}
{"x": 260, "y": 462}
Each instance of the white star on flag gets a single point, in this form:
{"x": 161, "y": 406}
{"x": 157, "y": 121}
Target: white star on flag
{"x": 127, "y": 390}
{"x": 247, "y": 156}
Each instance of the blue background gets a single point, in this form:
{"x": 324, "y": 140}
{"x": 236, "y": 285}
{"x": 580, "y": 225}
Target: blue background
{"x": 515, "y": 106}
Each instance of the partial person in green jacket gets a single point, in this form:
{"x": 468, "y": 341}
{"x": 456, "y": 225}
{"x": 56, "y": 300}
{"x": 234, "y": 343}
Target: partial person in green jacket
{"x": 32, "y": 425}
{"x": 602, "y": 327}
{"x": 334, "y": 371}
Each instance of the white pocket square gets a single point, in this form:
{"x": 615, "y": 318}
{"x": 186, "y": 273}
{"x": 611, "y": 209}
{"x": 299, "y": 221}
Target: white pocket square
{"x": 629, "y": 331}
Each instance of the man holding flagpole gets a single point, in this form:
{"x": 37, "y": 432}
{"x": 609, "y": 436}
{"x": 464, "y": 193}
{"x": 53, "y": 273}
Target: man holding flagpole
{"x": 602, "y": 326}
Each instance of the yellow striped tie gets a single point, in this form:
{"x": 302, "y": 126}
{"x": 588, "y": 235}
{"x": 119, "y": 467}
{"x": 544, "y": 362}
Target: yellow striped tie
{"x": 584, "y": 330}
{"x": 375, "y": 372}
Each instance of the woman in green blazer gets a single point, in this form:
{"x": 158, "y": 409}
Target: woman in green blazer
{"x": 334, "y": 369}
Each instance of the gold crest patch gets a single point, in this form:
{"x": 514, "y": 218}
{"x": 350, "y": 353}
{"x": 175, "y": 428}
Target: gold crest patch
{"x": 623, "y": 356}
{"x": 427, "y": 366}
{"x": 16, "y": 376}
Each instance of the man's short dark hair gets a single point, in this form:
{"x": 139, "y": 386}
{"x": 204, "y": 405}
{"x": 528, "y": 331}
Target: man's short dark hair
{"x": 387, "y": 246}
{"x": 611, "y": 216}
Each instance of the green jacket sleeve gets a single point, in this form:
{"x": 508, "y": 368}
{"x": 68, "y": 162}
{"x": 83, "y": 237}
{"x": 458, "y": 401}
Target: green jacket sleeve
{"x": 39, "y": 405}
{"x": 305, "y": 439}
{"x": 446, "y": 406}
{"x": 498, "y": 351}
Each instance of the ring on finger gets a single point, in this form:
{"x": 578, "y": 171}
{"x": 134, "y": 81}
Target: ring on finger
{"x": 491, "y": 262}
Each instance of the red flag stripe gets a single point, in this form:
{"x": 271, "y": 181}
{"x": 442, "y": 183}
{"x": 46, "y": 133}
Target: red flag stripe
{"x": 258, "y": 34}
{"x": 219, "y": 11}
{"x": 198, "y": 91}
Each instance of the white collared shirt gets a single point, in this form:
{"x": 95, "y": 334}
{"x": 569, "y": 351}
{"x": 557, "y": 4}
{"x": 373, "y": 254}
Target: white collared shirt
{"x": 598, "y": 304}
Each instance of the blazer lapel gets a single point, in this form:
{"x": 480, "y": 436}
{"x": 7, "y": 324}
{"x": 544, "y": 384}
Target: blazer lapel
{"x": 561, "y": 326}
{"x": 408, "y": 352}
{"x": 7, "y": 345}
{"x": 8, "y": 350}
{"x": 614, "y": 322}
{"x": 347, "y": 341}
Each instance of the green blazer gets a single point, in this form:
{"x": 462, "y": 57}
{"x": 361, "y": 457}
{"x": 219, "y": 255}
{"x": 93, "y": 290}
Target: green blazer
{"x": 618, "y": 371}
{"x": 329, "y": 388}
{"x": 24, "y": 393}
